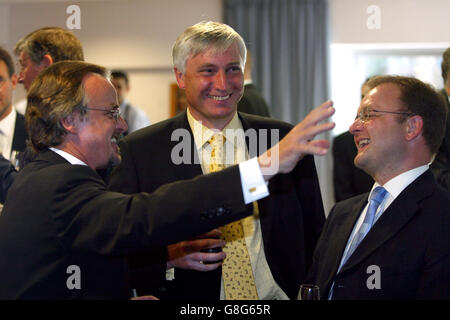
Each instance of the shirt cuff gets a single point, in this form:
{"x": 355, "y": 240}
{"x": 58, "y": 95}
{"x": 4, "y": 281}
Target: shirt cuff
{"x": 170, "y": 274}
{"x": 253, "y": 185}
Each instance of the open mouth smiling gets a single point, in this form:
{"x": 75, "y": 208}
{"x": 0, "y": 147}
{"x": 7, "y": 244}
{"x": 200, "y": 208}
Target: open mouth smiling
{"x": 219, "y": 98}
{"x": 362, "y": 143}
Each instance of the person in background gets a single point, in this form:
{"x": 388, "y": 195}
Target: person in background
{"x": 12, "y": 124}
{"x": 391, "y": 243}
{"x": 441, "y": 163}
{"x": 348, "y": 179}
{"x": 272, "y": 249}
{"x": 40, "y": 49}
{"x": 252, "y": 101}
{"x": 37, "y": 51}
{"x": 135, "y": 117}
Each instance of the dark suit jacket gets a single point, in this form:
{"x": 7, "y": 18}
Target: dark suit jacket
{"x": 253, "y": 102}
{"x": 349, "y": 180}
{"x": 20, "y": 134}
{"x": 441, "y": 164}
{"x": 57, "y": 215}
{"x": 291, "y": 217}
{"x": 7, "y": 170}
{"x": 410, "y": 244}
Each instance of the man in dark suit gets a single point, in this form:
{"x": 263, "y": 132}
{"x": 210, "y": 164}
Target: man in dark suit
{"x": 252, "y": 101}
{"x": 348, "y": 179}
{"x": 64, "y": 236}
{"x": 12, "y": 124}
{"x": 441, "y": 163}
{"x": 36, "y": 51}
{"x": 405, "y": 248}
{"x": 279, "y": 237}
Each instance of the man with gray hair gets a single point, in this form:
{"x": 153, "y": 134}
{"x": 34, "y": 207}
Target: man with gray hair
{"x": 267, "y": 253}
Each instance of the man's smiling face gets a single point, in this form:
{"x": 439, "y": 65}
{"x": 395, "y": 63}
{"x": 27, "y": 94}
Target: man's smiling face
{"x": 214, "y": 83}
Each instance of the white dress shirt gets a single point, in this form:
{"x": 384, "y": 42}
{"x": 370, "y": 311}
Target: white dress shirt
{"x": 236, "y": 153}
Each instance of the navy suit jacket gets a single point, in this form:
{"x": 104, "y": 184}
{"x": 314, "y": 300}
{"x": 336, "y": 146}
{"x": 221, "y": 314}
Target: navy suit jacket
{"x": 291, "y": 217}
{"x": 409, "y": 243}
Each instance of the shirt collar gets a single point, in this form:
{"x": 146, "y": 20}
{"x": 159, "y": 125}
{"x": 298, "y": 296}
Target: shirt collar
{"x": 202, "y": 133}
{"x": 399, "y": 183}
{"x": 70, "y": 158}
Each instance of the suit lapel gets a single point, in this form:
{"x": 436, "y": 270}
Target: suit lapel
{"x": 185, "y": 170}
{"x": 399, "y": 213}
{"x": 347, "y": 220}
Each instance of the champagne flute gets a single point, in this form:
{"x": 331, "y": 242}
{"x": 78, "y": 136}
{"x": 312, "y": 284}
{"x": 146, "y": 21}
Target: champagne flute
{"x": 309, "y": 292}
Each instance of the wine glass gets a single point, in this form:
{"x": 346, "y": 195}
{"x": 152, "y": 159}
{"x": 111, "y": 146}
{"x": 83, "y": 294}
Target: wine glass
{"x": 309, "y": 292}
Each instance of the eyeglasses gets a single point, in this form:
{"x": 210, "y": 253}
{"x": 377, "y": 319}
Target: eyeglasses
{"x": 368, "y": 113}
{"x": 114, "y": 113}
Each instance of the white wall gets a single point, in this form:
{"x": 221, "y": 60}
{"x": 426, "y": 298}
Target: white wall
{"x": 134, "y": 35}
{"x": 401, "y": 21}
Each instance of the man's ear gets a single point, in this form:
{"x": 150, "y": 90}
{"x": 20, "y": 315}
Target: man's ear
{"x": 180, "y": 78}
{"x": 70, "y": 123}
{"x": 414, "y": 127}
{"x": 46, "y": 61}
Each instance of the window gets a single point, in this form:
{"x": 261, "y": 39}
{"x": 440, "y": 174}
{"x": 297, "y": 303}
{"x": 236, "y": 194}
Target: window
{"x": 352, "y": 64}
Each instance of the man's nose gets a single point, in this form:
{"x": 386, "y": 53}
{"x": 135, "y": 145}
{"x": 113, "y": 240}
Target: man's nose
{"x": 220, "y": 80}
{"x": 121, "y": 125}
{"x": 356, "y": 126}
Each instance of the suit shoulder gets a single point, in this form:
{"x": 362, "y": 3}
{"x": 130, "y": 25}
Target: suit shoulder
{"x": 154, "y": 131}
{"x": 344, "y": 137}
{"x": 259, "y": 122}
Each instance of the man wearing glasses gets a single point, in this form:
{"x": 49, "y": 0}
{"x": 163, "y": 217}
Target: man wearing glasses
{"x": 392, "y": 243}
{"x": 63, "y": 235}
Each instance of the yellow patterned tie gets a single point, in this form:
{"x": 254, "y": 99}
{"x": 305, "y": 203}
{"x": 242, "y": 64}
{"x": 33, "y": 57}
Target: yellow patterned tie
{"x": 237, "y": 273}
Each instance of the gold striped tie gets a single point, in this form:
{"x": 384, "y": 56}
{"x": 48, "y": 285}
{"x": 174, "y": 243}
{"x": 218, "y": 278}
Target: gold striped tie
{"x": 237, "y": 273}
